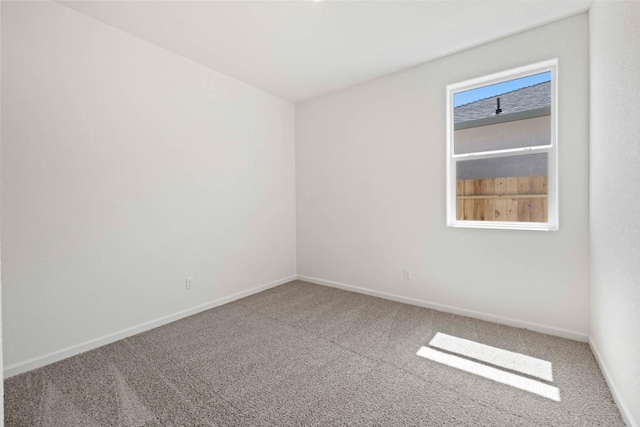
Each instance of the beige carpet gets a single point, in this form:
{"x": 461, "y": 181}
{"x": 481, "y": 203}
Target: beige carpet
{"x": 308, "y": 355}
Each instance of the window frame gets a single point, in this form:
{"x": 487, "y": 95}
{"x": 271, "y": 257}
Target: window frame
{"x": 551, "y": 149}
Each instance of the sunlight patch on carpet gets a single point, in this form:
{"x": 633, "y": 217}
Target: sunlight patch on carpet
{"x": 495, "y": 356}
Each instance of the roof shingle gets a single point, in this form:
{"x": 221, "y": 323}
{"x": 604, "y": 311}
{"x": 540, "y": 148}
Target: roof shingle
{"x": 524, "y": 99}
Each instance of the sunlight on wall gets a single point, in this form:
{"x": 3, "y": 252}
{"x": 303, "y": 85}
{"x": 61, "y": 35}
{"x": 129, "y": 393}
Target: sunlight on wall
{"x": 495, "y": 356}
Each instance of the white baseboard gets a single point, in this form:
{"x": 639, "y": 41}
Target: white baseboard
{"x": 622, "y": 406}
{"x": 56, "y": 356}
{"x": 549, "y": 330}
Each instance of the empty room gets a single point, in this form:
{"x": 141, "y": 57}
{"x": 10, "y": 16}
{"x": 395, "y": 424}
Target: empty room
{"x": 320, "y": 213}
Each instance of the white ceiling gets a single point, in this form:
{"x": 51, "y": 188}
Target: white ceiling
{"x": 299, "y": 50}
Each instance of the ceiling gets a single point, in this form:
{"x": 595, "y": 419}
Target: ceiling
{"x": 298, "y": 50}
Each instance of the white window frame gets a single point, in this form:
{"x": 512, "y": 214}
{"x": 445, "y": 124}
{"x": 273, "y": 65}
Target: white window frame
{"x": 551, "y": 149}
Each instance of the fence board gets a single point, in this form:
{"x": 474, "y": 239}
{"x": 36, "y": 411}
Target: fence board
{"x": 524, "y": 210}
{"x": 536, "y": 210}
{"x": 524, "y": 184}
{"x": 459, "y": 202}
{"x": 500, "y": 210}
{"x": 478, "y": 188}
{"x": 468, "y": 206}
{"x": 488, "y": 186}
{"x": 503, "y": 199}
{"x": 468, "y": 187}
{"x": 512, "y": 209}
{"x": 539, "y": 185}
{"x": 489, "y": 209}
{"x": 478, "y": 210}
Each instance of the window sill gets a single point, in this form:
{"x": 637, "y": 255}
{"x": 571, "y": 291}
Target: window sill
{"x": 535, "y": 226}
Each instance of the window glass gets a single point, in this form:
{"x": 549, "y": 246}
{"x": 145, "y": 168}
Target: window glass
{"x": 500, "y": 167}
{"x": 511, "y": 114}
{"x": 502, "y": 150}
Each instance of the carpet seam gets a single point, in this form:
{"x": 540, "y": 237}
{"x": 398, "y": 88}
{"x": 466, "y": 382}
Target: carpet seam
{"x": 302, "y": 356}
{"x": 381, "y": 362}
{"x": 191, "y": 377}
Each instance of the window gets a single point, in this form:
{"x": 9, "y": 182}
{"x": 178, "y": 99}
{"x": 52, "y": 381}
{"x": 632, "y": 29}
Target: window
{"x": 502, "y": 150}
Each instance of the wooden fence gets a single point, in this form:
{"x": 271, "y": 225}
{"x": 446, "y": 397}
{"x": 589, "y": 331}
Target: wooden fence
{"x": 522, "y": 198}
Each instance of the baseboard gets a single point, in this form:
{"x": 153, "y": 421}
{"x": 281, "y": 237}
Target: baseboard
{"x": 617, "y": 397}
{"x": 38, "y": 362}
{"x": 549, "y": 330}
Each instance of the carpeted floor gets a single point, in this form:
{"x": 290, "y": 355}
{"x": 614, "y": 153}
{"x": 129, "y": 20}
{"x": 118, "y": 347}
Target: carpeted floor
{"x": 309, "y": 355}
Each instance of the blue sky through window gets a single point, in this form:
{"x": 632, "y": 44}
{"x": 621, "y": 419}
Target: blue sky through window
{"x": 468, "y": 96}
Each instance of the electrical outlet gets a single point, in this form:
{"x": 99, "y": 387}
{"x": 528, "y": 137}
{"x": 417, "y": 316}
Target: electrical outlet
{"x": 189, "y": 283}
{"x": 407, "y": 274}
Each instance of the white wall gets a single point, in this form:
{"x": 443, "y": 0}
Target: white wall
{"x": 371, "y": 192}
{"x": 125, "y": 169}
{"x": 499, "y": 136}
{"x": 615, "y": 197}
{"x": 2, "y": 373}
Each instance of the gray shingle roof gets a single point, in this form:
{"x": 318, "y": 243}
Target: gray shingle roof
{"x": 524, "y": 99}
